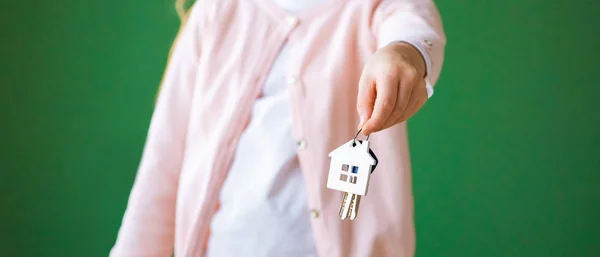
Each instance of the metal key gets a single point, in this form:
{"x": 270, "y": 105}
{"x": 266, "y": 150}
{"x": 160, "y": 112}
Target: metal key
{"x": 350, "y": 170}
{"x": 349, "y": 207}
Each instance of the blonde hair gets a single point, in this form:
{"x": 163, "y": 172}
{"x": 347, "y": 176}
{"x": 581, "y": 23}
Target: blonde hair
{"x": 181, "y": 10}
{"x": 183, "y": 13}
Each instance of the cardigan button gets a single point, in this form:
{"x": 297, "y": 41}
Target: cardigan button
{"x": 302, "y": 144}
{"x": 314, "y": 213}
{"x": 428, "y": 44}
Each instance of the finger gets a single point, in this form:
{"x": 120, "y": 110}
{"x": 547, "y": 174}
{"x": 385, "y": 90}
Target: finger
{"x": 385, "y": 102}
{"x": 405, "y": 90}
{"x": 408, "y": 82}
{"x": 417, "y": 100}
{"x": 366, "y": 98}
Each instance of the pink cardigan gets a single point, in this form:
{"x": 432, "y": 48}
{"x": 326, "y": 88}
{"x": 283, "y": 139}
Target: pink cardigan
{"x": 216, "y": 70}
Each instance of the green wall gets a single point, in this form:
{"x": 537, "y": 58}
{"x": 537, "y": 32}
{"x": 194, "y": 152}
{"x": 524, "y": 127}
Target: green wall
{"x": 506, "y": 155}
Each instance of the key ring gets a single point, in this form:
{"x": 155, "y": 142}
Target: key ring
{"x": 370, "y": 151}
{"x": 354, "y": 140}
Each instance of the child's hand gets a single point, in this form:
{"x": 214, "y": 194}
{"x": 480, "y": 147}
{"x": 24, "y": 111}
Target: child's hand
{"x": 392, "y": 87}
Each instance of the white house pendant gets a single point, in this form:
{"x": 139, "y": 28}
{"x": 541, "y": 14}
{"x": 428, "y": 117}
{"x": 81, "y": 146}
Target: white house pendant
{"x": 350, "y": 170}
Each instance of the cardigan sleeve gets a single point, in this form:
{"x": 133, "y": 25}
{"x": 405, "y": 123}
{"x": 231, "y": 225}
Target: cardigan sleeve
{"x": 416, "y": 22}
{"x": 148, "y": 225}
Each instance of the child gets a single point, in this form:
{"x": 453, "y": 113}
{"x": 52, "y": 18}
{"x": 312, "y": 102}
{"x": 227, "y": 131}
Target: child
{"x": 255, "y": 96}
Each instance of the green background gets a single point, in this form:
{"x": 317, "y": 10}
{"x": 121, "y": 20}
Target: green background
{"x": 506, "y": 155}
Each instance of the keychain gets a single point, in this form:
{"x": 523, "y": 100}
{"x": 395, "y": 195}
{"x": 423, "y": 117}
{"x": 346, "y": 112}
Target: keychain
{"x": 350, "y": 170}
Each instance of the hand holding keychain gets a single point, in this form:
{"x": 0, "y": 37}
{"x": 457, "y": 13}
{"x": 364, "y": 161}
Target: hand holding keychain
{"x": 392, "y": 88}
{"x": 350, "y": 171}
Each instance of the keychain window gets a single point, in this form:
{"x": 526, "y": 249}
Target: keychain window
{"x": 346, "y": 173}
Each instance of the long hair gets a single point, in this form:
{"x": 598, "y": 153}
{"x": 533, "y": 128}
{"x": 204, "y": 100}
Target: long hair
{"x": 180, "y": 7}
{"x": 182, "y": 12}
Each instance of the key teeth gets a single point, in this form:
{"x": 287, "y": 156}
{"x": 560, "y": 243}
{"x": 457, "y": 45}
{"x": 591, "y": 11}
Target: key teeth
{"x": 354, "y": 209}
{"x": 349, "y": 207}
{"x": 343, "y": 214}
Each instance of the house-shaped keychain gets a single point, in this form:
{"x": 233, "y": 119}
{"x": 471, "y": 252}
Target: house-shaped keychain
{"x": 351, "y": 167}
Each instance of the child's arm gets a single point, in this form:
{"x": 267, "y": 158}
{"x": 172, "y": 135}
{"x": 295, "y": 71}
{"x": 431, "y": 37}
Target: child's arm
{"x": 400, "y": 76}
{"x": 148, "y": 224}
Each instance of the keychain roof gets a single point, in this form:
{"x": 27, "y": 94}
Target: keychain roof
{"x": 370, "y": 150}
